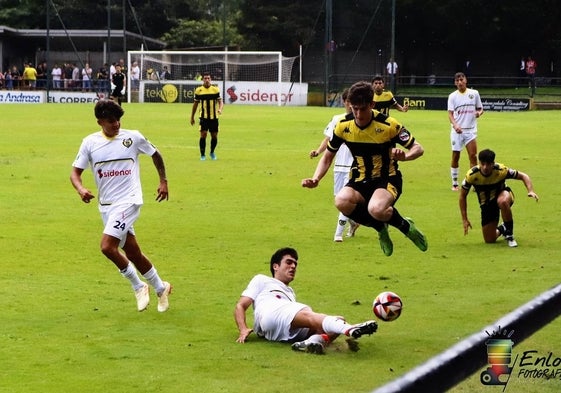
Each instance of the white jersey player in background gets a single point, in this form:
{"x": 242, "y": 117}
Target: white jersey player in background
{"x": 279, "y": 317}
{"x": 341, "y": 168}
{"x": 112, "y": 154}
{"x": 464, "y": 108}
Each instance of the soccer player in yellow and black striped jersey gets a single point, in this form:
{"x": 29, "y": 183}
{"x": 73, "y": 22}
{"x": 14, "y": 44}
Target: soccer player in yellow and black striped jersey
{"x": 375, "y": 182}
{"x": 488, "y": 180}
{"x": 208, "y": 96}
{"x": 384, "y": 99}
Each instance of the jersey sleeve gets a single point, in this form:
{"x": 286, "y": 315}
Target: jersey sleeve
{"x": 254, "y": 287}
{"x": 144, "y": 146}
{"x": 82, "y": 160}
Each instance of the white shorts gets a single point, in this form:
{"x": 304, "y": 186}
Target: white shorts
{"x": 119, "y": 220}
{"x": 459, "y": 141}
{"x": 339, "y": 180}
{"x": 273, "y": 323}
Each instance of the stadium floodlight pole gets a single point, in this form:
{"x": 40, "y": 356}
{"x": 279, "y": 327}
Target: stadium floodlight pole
{"x": 393, "y": 81}
{"x": 125, "y": 30}
{"x": 108, "y": 32}
{"x": 48, "y": 45}
{"x": 328, "y": 38}
{"x": 225, "y": 42}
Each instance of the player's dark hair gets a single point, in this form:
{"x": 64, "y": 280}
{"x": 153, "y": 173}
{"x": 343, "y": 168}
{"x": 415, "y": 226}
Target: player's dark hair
{"x": 276, "y": 258}
{"x": 108, "y": 109}
{"x": 377, "y": 78}
{"x": 361, "y": 93}
{"x": 345, "y": 95}
{"x": 459, "y": 75}
{"x": 487, "y": 156}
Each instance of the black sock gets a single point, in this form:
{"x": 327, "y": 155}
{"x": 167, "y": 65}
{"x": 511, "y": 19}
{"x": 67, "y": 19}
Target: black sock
{"x": 202, "y": 146}
{"x": 213, "y": 143}
{"x": 509, "y": 228}
{"x": 399, "y": 222}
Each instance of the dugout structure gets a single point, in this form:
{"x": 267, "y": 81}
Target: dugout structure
{"x": 265, "y": 78}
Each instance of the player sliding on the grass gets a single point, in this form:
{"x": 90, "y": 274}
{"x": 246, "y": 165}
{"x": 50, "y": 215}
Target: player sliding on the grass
{"x": 279, "y": 317}
{"x": 375, "y": 182}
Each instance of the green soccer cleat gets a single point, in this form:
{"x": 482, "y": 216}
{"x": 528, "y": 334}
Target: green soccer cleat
{"x": 416, "y": 236}
{"x": 385, "y": 241}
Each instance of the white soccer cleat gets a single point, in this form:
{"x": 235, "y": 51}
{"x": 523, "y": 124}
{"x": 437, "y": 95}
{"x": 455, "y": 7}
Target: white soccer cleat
{"x": 353, "y": 226}
{"x": 511, "y": 242}
{"x": 338, "y": 238}
{"x": 314, "y": 344}
{"x": 142, "y": 297}
{"x": 163, "y": 301}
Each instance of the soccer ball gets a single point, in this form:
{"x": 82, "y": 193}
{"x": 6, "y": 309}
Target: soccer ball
{"x": 387, "y": 306}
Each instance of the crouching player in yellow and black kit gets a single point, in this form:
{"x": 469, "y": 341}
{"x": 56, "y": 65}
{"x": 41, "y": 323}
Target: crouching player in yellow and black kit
{"x": 488, "y": 180}
{"x": 375, "y": 181}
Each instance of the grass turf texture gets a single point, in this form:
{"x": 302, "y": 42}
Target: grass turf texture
{"x": 69, "y": 319}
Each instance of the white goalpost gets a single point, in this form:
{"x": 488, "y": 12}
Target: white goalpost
{"x": 254, "y": 78}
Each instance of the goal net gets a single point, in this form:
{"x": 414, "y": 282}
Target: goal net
{"x": 243, "y": 77}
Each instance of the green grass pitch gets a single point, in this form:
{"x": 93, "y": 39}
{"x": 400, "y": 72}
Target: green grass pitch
{"x": 69, "y": 320}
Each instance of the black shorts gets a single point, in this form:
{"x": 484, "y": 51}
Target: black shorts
{"x": 209, "y": 125}
{"x": 490, "y": 211}
{"x": 117, "y": 93}
{"x": 366, "y": 188}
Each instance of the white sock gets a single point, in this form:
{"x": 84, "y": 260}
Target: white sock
{"x": 334, "y": 325}
{"x": 341, "y": 222}
{"x": 454, "y": 174}
{"x": 317, "y": 339}
{"x": 154, "y": 279}
{"x": 131, "y": 274}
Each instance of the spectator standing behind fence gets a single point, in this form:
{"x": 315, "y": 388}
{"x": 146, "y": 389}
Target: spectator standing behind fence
{"x": 16, "y": 77}
{"x": 391, "y": 69}
{"x": 8, "y": 80}
{"x": 521, "y": 71}
{"x": 42, "y": 75}
{"x": 135, "y": 75}
{"x": 87, "y": 77}
{"x": 67, "y": 75}
{"x": 165, "y": 75}
{"x": 76, "y": 82}
{"x": 531, "y": 66}
{"x": 103, "y": 78}
{"x": 29, "y": 77}
{"x": 464, "y": 108}
{"x": 56, "y": 74}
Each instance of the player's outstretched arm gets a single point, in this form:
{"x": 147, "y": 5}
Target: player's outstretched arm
{"x": 76, "y": 180}
{"x": 158, "y": 160}
{"x": 239, "y": 316}
{"x": 528, "y": 183}
{"x": 463, "y": 210}
{"x": 321, "y": 169}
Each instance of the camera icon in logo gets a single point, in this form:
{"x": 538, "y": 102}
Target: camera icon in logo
{"x": 499, "y": 355}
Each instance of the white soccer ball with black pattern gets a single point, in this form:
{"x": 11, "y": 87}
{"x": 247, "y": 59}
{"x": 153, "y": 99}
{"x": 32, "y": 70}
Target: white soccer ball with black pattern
{"x": 387, "y": 306}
